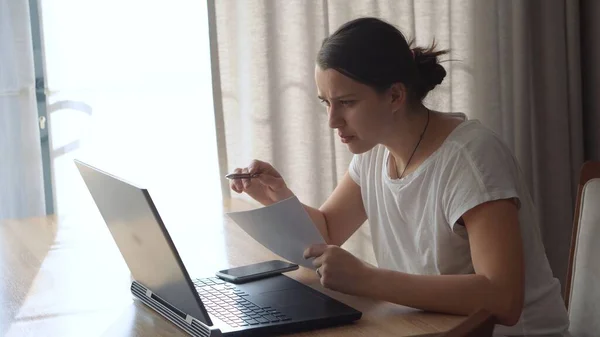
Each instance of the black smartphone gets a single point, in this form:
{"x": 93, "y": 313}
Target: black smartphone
{"x": 256, "y": 271}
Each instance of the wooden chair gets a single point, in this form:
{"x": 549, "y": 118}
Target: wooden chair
{"x": 582, "y": 286}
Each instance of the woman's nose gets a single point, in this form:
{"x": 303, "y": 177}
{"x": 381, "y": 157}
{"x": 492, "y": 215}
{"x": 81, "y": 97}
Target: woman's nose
{"x": 335, "y": 118}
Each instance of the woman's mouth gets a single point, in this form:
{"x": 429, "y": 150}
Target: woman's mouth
{"x": 347, "y": 139}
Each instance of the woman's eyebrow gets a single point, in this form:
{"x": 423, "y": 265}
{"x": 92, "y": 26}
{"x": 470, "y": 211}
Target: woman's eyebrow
{"x": 338, "y": 97}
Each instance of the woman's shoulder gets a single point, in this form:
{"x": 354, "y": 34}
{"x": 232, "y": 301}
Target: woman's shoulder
{"x": 477, "y": 151}
{"x": 476, "y": 139}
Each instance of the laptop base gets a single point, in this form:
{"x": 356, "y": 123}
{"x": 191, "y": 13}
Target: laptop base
{"x": 188, "y": 324}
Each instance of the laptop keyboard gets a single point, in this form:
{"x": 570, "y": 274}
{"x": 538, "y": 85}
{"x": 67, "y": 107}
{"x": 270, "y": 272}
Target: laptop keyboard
{"x": 229, "y": 304}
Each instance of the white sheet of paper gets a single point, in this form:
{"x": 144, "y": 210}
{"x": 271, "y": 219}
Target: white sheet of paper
{"x": 284, "y": 228}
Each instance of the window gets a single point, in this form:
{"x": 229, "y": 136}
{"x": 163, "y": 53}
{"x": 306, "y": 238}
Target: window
{"x": 129, "y": 90}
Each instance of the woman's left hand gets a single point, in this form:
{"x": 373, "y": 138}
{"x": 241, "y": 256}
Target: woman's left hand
{"x": 339, "y": 270}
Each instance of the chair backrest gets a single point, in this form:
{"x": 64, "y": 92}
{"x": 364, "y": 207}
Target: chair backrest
{"x": 589, "y": 170}
{"x": 479, "y": 324}
{"x": 582, "y": 293}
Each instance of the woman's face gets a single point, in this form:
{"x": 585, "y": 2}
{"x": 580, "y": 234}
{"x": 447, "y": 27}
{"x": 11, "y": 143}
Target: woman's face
{"x": 361, "y": 115}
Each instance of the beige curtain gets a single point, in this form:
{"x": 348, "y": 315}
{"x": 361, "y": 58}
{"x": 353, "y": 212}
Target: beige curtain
{"x": 266, "y": 52}
{"x": 515, "y": 66}
{"x": 528, "y": 65}
{"x": 590, "y": 54}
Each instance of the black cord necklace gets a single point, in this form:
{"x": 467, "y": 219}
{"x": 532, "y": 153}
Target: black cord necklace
{"x": 419, "y": 142}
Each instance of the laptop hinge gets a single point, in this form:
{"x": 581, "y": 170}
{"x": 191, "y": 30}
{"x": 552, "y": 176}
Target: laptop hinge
{"x": 187, "y": 323}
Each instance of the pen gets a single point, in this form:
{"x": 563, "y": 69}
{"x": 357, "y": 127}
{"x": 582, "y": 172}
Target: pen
{"x": 242, "y": 175}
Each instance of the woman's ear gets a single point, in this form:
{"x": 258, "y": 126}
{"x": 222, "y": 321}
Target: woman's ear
{"x": 398, "y": 94}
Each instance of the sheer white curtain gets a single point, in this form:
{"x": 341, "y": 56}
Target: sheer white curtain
{"x": 21, "y": 181}
{"x": 130, "y": 91}
{"x": 515, "y": 67}
{"x": 266, "y": 63}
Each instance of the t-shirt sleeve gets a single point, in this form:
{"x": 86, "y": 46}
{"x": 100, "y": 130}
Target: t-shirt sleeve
{"x": 355, "y": 167}
{"x": 481, "y": 171}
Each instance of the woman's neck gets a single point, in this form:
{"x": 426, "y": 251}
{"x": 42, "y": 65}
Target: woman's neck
{"x": 406, "y": 134}
{"x": 404, "y": 140}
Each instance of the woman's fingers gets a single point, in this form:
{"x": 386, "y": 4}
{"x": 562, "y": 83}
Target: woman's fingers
{"x": 237, "y": 184}
{"x": 257, "y": 166}
{"x": 273, "y": 182}
{"x": 246, "y": 182}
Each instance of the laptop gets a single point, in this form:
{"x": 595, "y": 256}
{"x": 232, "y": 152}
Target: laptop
{"x": 204, "y": 306}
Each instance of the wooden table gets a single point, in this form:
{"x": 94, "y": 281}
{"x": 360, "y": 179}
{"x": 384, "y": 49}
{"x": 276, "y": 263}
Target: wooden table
{"x": 65, "y": 277}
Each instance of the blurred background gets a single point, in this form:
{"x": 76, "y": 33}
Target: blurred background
{"x": 173, "y": 95}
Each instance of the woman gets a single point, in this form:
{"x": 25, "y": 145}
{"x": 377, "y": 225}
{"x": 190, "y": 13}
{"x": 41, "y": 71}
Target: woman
{"x": 452, "y": 223}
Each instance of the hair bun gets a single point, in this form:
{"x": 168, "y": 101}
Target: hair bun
{"x": 430, "y": 72}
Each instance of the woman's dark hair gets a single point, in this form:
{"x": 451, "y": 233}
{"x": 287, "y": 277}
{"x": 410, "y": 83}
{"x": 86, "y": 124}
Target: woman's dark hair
{"x": 375, "y": 53}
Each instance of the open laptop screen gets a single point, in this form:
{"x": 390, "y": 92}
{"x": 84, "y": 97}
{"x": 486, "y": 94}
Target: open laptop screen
{"x": 143, "y": 240}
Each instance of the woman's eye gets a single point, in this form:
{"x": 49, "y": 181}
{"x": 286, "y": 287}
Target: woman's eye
{"x": 324, "y": 102}
{"x": 346, "y": 103}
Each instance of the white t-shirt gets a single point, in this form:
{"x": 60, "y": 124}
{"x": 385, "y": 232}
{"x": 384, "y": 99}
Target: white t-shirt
{"x": 414, "y": 226}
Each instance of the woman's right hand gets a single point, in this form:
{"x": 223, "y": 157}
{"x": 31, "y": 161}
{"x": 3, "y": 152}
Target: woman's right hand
{"x": 268, "y": 188}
